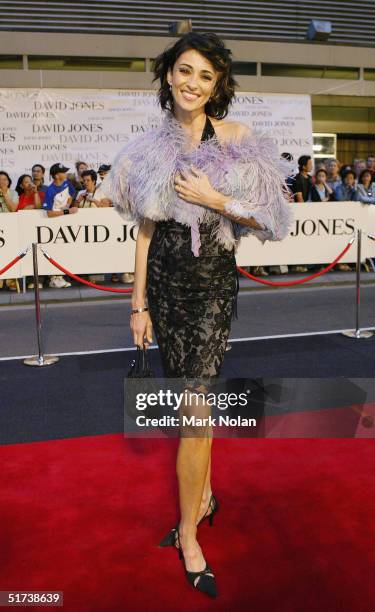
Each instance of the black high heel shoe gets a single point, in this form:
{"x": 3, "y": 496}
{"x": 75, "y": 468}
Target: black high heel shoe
{"x": 213, "y": 505}
{"x": 203, "y": 581}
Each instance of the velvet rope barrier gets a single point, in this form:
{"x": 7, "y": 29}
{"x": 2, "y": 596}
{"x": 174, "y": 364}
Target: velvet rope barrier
{"x": 299, "y": 281}
{"x": 13, "y": 262}
{"x": 82, "y": 280}
{"x": 241, "y": 270}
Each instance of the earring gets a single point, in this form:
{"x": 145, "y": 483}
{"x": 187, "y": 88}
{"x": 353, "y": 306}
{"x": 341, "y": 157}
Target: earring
{"x": 170, "y": 87}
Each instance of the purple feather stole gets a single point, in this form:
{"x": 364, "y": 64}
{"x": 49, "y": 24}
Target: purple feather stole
{"x": 249, "y": 170}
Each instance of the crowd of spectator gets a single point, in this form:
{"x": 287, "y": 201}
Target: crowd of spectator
{"x": 64, "y": 195}
{"x": 68, "y": 192}
{"x": 331, "y": 181}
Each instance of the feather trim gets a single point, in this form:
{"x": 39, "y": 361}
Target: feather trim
{"x": 249, "y": 170}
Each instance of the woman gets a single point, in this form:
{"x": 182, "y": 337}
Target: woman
{"x": 346, "y": 191}
{"x": 8, "y": 197}
{"x": 321, "y": 191}
{"x": 196, "y": 184}
{"x": 29, "y": 196}
{"x": 366, "y": 188}
{"x": 8, "y": 203}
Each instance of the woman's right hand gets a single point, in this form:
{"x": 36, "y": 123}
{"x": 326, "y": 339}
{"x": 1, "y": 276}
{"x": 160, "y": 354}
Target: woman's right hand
{"x": 141, "y": 326}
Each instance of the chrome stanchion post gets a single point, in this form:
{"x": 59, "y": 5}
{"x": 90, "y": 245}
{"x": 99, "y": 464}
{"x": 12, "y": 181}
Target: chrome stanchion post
{"x": 40, "y": 359}
{"x": 357, "y": 332}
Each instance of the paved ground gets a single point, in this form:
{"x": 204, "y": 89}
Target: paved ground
{"x": 78, "y": 319}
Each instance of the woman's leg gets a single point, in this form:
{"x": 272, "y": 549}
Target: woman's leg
{"x": 193, "y": 460}
{"x": 207, "y": 491}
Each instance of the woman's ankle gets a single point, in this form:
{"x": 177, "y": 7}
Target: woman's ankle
{"x": 206, "y": 498}
{"x": 188, "y": 533}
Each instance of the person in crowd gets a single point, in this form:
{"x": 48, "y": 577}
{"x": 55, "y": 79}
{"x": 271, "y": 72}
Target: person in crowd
{"x": 303, "y": 182}
{"x": 37, "y": 172}
{"x": 29, "y": 199}
{"x": 283, "y": 269}
{"x": 76, "y": 179}
{"x": 8, "y": 197}
{"x": 370, "y": 165}
{"x": 8, "y": 203}
{"x": 359, "y": 166}
{"x": 29, "y": 196}
{"x": 321, "y": 191}
{"x": 58, "y": 200}
{"x": 333, "y": 173}
{"x": 92, "y": 196}
{"x": 344, "y": 168}
{"x": 366, "y": 187}
{"x": 302, "y": 191}
{"x": 291, "y": 179}
{"x": 103, "y": 170}
{"x": 126, "y": 277}
{"x": 346, "y": 192}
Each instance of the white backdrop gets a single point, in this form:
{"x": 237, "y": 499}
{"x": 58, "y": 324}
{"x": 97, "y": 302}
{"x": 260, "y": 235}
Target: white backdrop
{"x": 98, "y": 240}
{"x": 65, "y": 125}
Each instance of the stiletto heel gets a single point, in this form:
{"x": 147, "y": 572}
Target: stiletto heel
{"x": 203, "y": 581}
{"x": 213, "y": 505}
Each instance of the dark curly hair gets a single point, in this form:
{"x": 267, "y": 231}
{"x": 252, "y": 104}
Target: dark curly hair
{"x": 8, "y": 177}
{"x": 19, "y": 187}
{"x": 360, "y": 180}
{"x": 213, "y": 49}
{"x": 91, "y": 173}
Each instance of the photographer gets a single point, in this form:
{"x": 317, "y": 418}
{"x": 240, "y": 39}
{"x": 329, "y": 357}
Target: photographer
{"x": 92, "y": 196}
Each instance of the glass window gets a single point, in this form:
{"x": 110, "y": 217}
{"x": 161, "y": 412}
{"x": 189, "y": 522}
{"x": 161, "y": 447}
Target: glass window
{"x": 245, "y": 68}
{"x": 324, "y": 147}
{"x": 132, "y": 64}
{"x": 369, "y": 74}
{"x": 305, "y": 71}
{"x": 11, "y": 62}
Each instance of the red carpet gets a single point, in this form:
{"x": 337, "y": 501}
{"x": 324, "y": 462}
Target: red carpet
{"x": 296, "y": 528}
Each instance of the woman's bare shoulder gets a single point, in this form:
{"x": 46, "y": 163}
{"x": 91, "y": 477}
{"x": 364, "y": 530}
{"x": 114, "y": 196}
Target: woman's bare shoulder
{"x": 227, "y": 130}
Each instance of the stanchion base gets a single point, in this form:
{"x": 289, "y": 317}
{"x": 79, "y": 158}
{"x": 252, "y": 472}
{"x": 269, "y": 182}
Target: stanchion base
{"x": 45, "y": 360}
{"x": 360, "y": 333}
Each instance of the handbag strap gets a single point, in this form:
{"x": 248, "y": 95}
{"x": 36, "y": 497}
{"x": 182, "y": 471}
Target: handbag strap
{"x": 142, "y": 364}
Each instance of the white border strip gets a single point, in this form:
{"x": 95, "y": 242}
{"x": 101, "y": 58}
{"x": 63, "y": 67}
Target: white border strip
{"x": 154, "y": 346}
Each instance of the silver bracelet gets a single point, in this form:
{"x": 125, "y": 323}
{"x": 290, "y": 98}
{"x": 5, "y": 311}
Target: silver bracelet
{"x": 139, "y": 309}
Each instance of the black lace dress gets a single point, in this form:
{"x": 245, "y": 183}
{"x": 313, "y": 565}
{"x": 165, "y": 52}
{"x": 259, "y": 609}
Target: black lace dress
{"x": 192, "y": 300}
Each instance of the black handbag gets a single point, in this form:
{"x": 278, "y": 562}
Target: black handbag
{"x": 140, "y": 367}
{"x": 140, "y": 379}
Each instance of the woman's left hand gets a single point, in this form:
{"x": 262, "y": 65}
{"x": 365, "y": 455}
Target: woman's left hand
{"x": 195, "y": 187}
